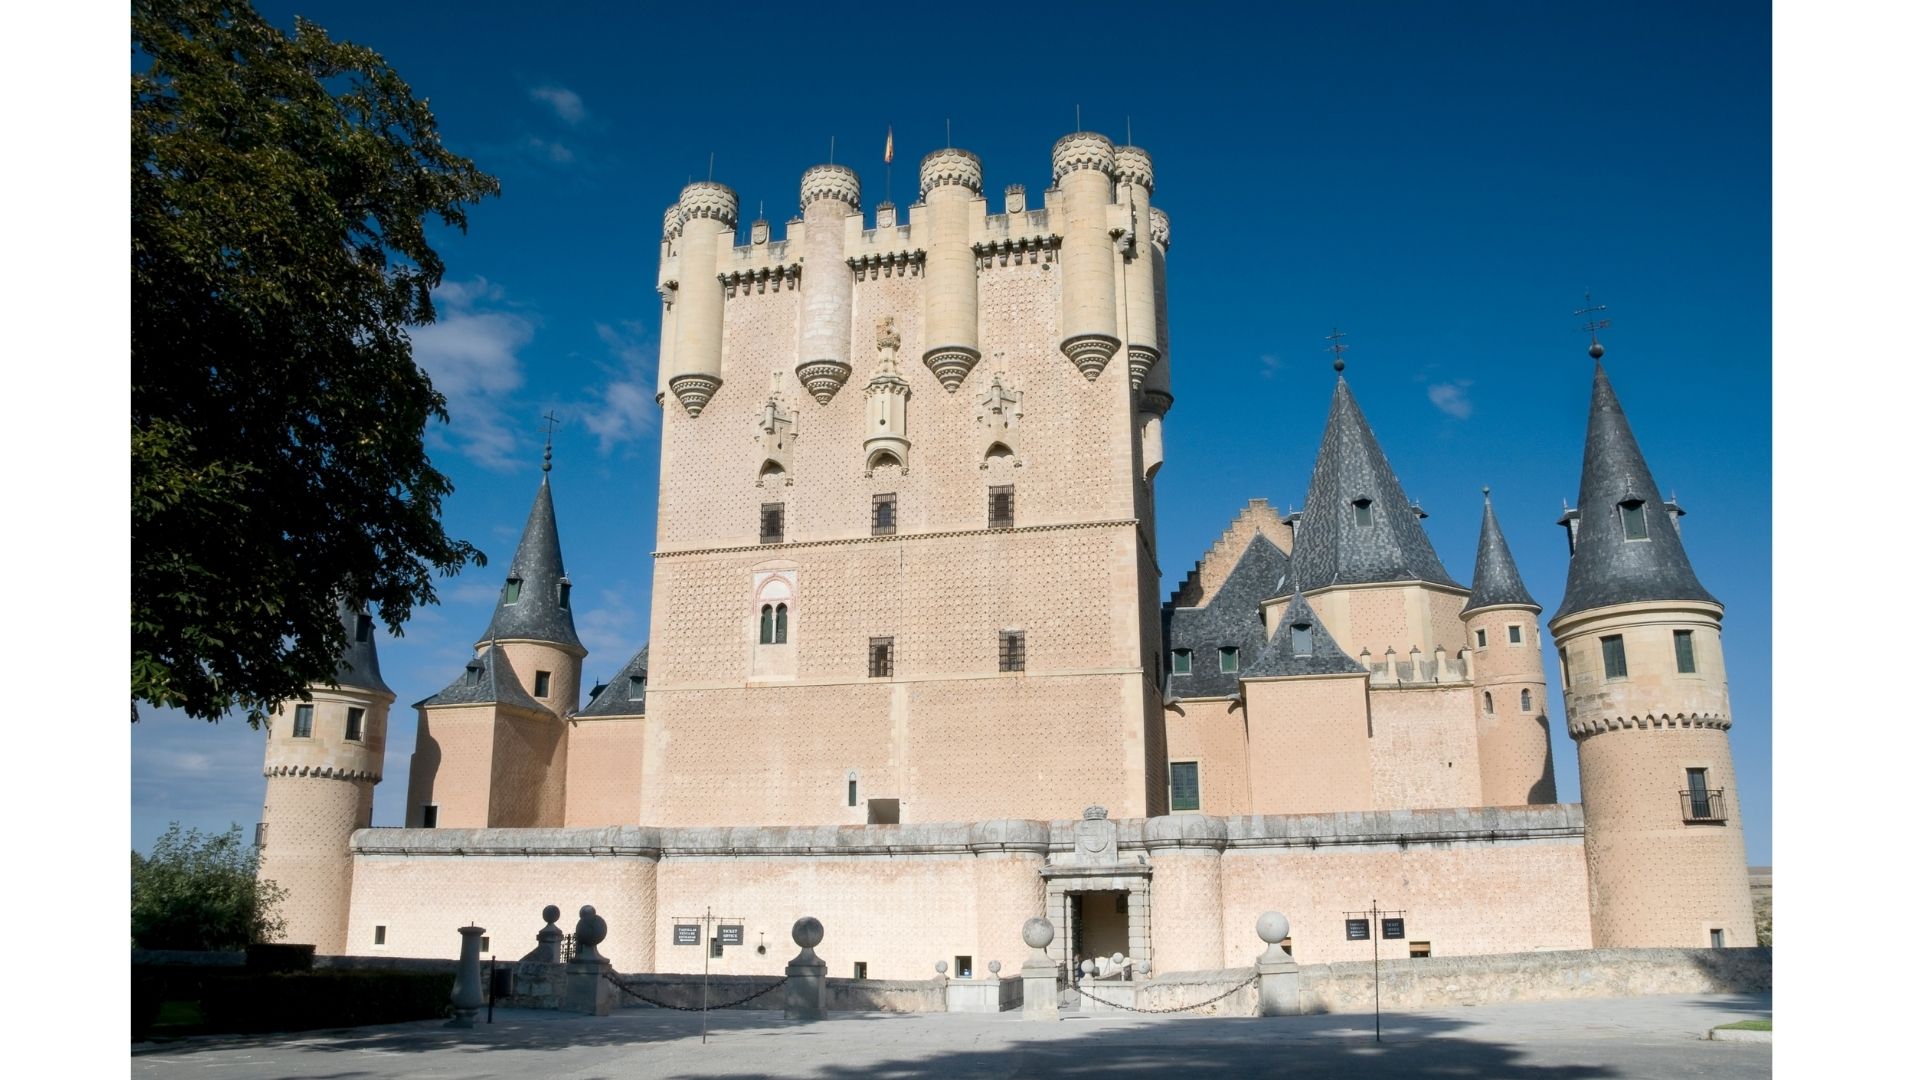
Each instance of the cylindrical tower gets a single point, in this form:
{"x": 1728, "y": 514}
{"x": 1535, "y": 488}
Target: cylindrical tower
{"x": 1647, "y": 707}
{"x": 1133, "y": 189}
{"x": 1509, "y": 681}
{"x": 1156, "y": 389}
{"x": 949, "y": 185}
{"x": 829, "y": 194}
{"x": 1083, "y": 174}
{"x": 668, "y": 287}
{"x": 323, "y": 760}
{"x": 708, "y": 214}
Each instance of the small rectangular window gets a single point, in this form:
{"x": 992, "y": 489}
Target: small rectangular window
{"x": 636, "y": 687}
{"x": 853, "y": 793}
{"x": 859, "y": 969}
{"x": 1613, "y": 652}
{"x": 379, "y": 935}
{"x": 363, "y": 628}
{"x": 773, "y": 523}
{"x": 1184, "y": 784}
{"x": 1417, "y": 949}
{"x": 1633, "y": 518}
{"x": 1717, "y": 938}
{"x": 963, "y": 967}
{"x": 1479, "y": 639}
{"x": 1514, "y": 637}
{"x": 259, "y": 834}
{"x": 880, "y": 658}
{"x": 355, "y": 719}
{"x": 486, "y": 943}
{"x": 1302, "y": 639}
{"x": 715, "y": 949}
{"x": 513, "y": 591}
{"x": 1229, "y": 659}
{"x": 1683, "y": 651}
{"x": 566, "y": 593}
{"x": 303, "y": 721}
{"x": 1013, "y": 650}
{"x": 430, "y": 816}
{"x": 1363, "y": 513}
{"x": 1000, "y": 507}
{"x": 883, "y": 508}
{"x": 542, "y": 683}
{"x": 883, "y": 811}
{"x": 1182, "y": 661}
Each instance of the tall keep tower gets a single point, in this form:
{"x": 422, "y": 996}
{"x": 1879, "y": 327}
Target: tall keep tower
{"x": 1646, "y": 698}
{"x": 323, "y": 760}
{"x": 904, "y": 511}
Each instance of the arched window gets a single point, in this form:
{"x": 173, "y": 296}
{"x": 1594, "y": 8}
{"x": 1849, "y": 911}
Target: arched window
{"x": 780, "y": 624}
{"x": 1487, "y": 699}
{"x": 1526, "y": 700}
{"x": 766, "y": 624}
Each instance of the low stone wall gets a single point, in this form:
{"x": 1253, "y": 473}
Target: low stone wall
{"x": 843, "y": 995}
{"x": 887, "y": 995}
{"x": 191, "y": 958}
{"x": 1438, "y": 982}
{"x": 1180, "y": 989}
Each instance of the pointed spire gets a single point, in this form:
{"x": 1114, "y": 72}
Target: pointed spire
{"x": 1358, "y": 526}
{"x": 1301, "y": 646}
{"x": 1496, "y": 580}
{"x": 1618, "y": 497}
{"x": 359, "y": 663}
{"x": 535, "y": 603}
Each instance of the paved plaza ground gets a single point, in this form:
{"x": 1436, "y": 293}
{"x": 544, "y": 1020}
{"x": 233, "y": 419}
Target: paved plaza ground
{"x": 1655, "y": 1037}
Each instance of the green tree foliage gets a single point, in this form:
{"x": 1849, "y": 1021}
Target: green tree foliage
{"x": 199, "y": 891}
{"x": 281, "y": 188}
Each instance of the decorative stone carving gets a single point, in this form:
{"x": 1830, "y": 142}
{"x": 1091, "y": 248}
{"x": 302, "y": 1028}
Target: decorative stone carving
{"x": 1090, "y": 353}
{"x": 1016, "y": 199}
{"x": 806, "y": 990}
{"x": 951, "y": 364}
{"x": 670, "y": 223}
{"x": 694, "y": 391}
{"x": 887, "y": 394}
{"x": 1132, "y": 165}
{"x": 949, "y": 166}
{"x": 759, "y": 232}
{"x": 467, "y": 995}
{"x": 1082, "y": 150}
{"x": 588, "y": 933}
{"x": 823, "y": 378}
{"x": 776, "y": 434}
{"x": 1140, "y": 360}
{"x": 1159, "y": 230}
{"x": 1096, "y": 841}
{"x": 707, "y": 199}
{"x": 830, "y": 182}
{"x": 997, "y": 412}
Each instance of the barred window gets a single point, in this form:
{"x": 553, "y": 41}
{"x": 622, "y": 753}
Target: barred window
{"x": 303, "y": 721}
{"x": 883, "y": 508}
{"x": 1013, "y": 650}
{"x": 773, "y": 523}
{"x": 356, "y": 719}
{"x": 1000, "y": 507}
{"x": 1683, "y": 651}
{"x": 880, "y": 658}
{"x": 1613, "y": 651}
{"x": 1183, "y": 778}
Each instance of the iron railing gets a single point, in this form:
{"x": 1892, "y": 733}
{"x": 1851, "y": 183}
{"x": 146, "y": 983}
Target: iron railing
{"x": 1707, "y": 806}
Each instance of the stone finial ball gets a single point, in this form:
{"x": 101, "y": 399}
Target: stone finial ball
{"x": 940, "y": 967}
{"x": 551, "y": 913}
{"x": 1086, "y": 967}
{"x": 1596, "y": 350}
{"x": 807, "y": 932}
{"x": 1037, "y": 933}
{"x": 1119, "y": 958}
{"x": 994, "y": 967}
{"x": 1272, "y": 927}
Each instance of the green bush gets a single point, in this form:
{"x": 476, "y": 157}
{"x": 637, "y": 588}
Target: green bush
{"x": 322, "y": 999}
{"x": 148, "y": 995}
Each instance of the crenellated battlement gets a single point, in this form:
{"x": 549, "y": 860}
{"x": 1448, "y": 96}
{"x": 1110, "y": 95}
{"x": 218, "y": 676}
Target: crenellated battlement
{"x": 1416, "y": 672}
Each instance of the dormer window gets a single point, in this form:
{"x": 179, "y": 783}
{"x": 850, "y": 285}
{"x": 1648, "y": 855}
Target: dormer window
{"x": 566, "y": 594}
{"x": 1363, "y": 513}
{"x": 363, "y": 628}
{"x": 1633, "y": 519}
{"x": 1183, "y": 661}
{"x": 1229, "y": 659}
{"x": 513, "y": 591}
{"x": 473, "y": 674}
{"x": 1302, "y": 639}
{"x": 636, "y": 687}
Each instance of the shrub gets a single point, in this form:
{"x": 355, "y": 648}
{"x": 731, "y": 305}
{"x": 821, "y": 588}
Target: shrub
{"x": 200, "y": 891}
{"x": 323, "y": 999}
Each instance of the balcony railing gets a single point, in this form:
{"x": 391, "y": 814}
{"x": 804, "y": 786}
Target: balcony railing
{"x": 1703, "y": 807}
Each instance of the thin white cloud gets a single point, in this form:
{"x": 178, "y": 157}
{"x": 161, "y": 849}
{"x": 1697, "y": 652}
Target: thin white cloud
{"x": 625, "y": 411}
{"x": 565, "y": 103}
{"x": 472, "y": 355}
{"x": 1451, "y": 398}
{"x": 557, "y": 153}
{"x": 1271, "y": 366}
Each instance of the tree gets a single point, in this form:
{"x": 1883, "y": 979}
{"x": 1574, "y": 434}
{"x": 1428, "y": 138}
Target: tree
{"x": 280, "y": 192}
{"x": 199, "y": 891}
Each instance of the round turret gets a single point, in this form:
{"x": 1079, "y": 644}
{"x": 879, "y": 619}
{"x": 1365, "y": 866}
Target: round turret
{"x": 670, "y": 222}
{"x": 708, "y": 214}
{"x": 707, "y": 199}
{"x": 1082, "y": 150}
{"x": 950, "y": 166}
{"x": 1089, "y": 323}
{"x": 1132, "y": 165}
{"x": 950, "y": 181}
{"x": 830, "y": 182}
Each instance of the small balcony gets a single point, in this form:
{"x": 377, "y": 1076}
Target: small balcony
{"x": 1706, "y": 807}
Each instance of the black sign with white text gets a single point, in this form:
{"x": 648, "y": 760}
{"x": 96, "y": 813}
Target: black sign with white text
{"x": 686, "y": 934}
{"x": 733, "y": 935}
{"x": 1357, "y": 930}
{"x": 1393, "y": 928}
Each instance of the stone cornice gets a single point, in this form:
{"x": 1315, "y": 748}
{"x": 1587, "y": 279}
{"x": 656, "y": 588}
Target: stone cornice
{"x": 1132, "y": 165}
{"x": 887, "y": 263}
{"x": 950, "y": 168}
{"x": 322, "y": 772}
{"x": 756, "y": 279}
{"x": 830, "y": 182}
{"x": 898, "y": 537}
{"x": 1588, "y": 726}
{"x": 1082, "y": 150}
{"x": 1019, "y": 249}
{"x": 709, "y": 200}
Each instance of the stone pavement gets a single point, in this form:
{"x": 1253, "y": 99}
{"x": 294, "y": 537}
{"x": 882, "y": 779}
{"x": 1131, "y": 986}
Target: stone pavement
{"x": 1655, "y": 1037}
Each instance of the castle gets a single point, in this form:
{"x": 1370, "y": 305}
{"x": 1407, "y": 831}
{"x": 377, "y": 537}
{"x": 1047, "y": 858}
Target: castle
{"x": 911, "y": 672}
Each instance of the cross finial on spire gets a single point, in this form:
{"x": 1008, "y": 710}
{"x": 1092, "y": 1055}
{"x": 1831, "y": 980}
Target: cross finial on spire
{"x": 1594, "y": 325}
{"x": 1338, "y": 349}
{"x": 546, "y": 459}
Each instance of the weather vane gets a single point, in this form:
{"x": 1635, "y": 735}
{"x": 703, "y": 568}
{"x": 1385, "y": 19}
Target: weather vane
{"x": 546, "y": 462}
{"x": 1594, "y": 325}
{"x": 1338, "y": 349}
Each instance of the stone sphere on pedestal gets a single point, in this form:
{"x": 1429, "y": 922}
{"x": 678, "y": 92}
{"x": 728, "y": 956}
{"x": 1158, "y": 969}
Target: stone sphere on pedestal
{"x": 551, "y": 913}
{"x": 1037, "y": 933}
{"x": 1272, "y": 927}
{"x": 993, "y": 967}
{"x": 940, "y": 967}
{"x": 807, "y": 932}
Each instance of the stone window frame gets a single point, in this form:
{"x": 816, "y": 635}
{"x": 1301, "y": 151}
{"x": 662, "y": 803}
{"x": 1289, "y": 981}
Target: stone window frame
{"x": 303, "y": 721}
{"x": 1607, "y": 657}
{"x": 356, "y": 724}
{"x": 1685, "y": 662}
{"x": 1516, "y": 634}
{"x": 1480, "y": 637}
{"x": 1526, "y": 700}
{"x": 773, "y": 523}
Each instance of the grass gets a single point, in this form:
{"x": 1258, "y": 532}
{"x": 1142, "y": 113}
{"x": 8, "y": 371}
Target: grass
{"x": 1748, "y": 1025}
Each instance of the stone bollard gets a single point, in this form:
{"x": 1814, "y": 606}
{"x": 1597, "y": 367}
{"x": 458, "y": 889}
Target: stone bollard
{"x": 807, "y": 973}
{"x": 588, "y": 991}
{"x": 467, "y": 998}
{"x": 1039, "y": 976}
{"x": 541, "y": 976}
{"x": 1279, "y": 975}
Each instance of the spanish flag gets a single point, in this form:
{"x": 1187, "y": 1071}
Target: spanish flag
{"x": 889, "y": 154}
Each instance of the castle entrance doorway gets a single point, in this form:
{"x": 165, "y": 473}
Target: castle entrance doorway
{"x": 1099, "y": 922}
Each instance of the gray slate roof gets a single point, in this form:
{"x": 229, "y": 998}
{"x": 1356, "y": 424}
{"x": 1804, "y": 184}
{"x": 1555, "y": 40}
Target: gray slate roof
{"x": 493, "y": 683}
{"x": 1496, "y": 580}
{"x": 1278, "y": 660}
{"x": 1230, "y": 617}
{"x": 359, "y": 664}
{"x": 616, "y": 698}
{"x": 1606, "y": 567}
{"x": 1330, "y": 548}
{"x": 537, "y": 616}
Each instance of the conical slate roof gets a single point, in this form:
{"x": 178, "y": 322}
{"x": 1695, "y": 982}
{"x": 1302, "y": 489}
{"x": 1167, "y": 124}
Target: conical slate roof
{"x": 537, "y": 614}
{"x": 1332, "y": 546}
{"x": 1496, "y": 580}
{"x": 1607, "y": 568}
{"x": 1278, "y": 659}
{"x": 1230, "y": 617}
{"x": 487, "y": 680}
{"x": 618, "y": 697}
{"x": 359, "y": 664}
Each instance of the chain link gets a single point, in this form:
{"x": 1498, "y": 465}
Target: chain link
{"x": 1170, "y": 1009}
{"x": 631, "y": 992}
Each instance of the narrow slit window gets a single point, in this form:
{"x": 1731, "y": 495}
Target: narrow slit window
{"x": 1613, "y": 653}
{"x": 1479, "y": 639}
{"x": 303, "y": 721}
{"x": 853, "y": 793}
{"x": 773, "y": 523}
{"x": 883, "y": 514}
{"x": 780, "y": 624}
{"x": 1526, "y": 700}
{"x": 1683, "y": 651}
{"x": 1486, "y": 697}
{"x": 513, "y": 591}
{"x": 1229, "y": 659}
{"x": 1302, "y": 639}
{"x": 1000, "y": 507}
{"x": 1633, "y": 519}
{"x": 1183, "y": 781}
{"x": 566, "y": 594}
{"x": 356, "y": 719}
{"x": 1363, "y": 513}
{"x": 363, "y": 628}
{"x": 766, "y": 624}
{"x": 542, "y": 684}
{"x": 1013, "y": 650}
{"x": 1183, "y": 661}
{"x": 379, "y": 935}
{"x": 430, "y": 816}
{"x": 880, "y": 658}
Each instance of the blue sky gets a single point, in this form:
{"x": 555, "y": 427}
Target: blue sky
{"x": 1440, "y": 181}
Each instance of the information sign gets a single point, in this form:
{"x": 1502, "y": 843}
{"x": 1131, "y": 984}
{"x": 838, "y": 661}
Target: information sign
{"x": 733, "y": 935}
{"x": 1393, "y": 928}
{"x": 686, "y": 933}
{"x": 1358, "y": 929}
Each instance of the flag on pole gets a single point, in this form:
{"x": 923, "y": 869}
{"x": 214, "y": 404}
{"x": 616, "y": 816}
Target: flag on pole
{"x": 889, "y": 154}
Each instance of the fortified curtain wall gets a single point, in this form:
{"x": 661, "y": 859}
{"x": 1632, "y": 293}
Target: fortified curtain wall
{"x": 901, "y": 898}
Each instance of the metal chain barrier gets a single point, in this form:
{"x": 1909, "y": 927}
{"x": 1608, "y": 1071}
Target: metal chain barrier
{"x": 1081, "y": 988}
{"x": 631, "y": 992}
